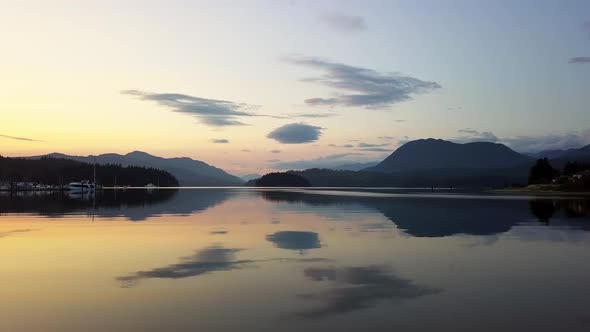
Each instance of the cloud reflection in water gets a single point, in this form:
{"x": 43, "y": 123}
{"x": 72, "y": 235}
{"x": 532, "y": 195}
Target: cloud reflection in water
{"x": 357, "y": 288}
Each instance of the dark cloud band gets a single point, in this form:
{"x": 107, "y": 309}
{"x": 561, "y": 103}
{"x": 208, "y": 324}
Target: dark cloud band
{"x": 361, "y": 87}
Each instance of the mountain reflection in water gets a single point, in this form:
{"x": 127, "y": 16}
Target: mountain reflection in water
{"x": 416, "y": 216}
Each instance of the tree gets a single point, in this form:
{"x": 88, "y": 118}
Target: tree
{"x": 573, "y": 167}
{"x": 282, "y": 180}
{"x": 542, "y": 172}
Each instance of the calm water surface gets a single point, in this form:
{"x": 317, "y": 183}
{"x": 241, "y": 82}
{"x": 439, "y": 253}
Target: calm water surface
{"x": 293, "y": 260}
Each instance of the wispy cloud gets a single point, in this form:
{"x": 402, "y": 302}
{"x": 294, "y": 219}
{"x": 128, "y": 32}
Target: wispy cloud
{"x": 471, "y": 135}
{"x": 220, "y": 141}
{"x": 580, "y": 60}
{"x": 275, "y": 151}
{"x": 204, "y": 261}
{"x": 211, "y": 112}
{"x": 15, "y": 231}
{"x": 357, "y": 288}
{"x": 296, "y": 133}
{"x": 375, "y": 149}
{"x": 563, "y": 141}
{"x": 371, "y": 145}
{"x": 341, "y": 146}
{"x": 525, "y": 143}
{"x": 346, "y": 23}
{"x": 361, "y": 87}
{"x": 20, "y": 138}
{"x": 311, "y": 115}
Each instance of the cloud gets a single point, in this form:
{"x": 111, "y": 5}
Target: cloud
{"x": 207, "y": 260}
{"x": 564, "y": 141}
{"x": 386, "y": 137}
{"x": 220, "y": 141}
{"x": 218, "y": 232}
{"x": 341, "y": 146}
{"x": 275, "y": 151}
{"x": 15, "y": 231}
{"x": 579, "y": 60}
{"x": 329, "y": 161}
{"x": 20, "y": 138}
{"x": 357, "y": 288}
{"x": 273, "y": 160}
{"x": 346, "y": 23}
{"x": 211, "y": 259}
{"x": 211, "y": 112}
{"x": 471, "y": 135}
{"x": 246, "y": 150}
{"x": 528, "y": 144}
{"x": 295, "y": 240}
{"x": 296, "y": 133}
{"x": 361, "y": 87}
{"x": 375, "y": 149}
{"x": 311, "y": 115}
{"x": 369, "y": 145}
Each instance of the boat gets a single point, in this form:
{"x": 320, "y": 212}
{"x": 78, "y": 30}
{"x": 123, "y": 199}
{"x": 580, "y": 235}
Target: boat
{"x": 82, "y": 186}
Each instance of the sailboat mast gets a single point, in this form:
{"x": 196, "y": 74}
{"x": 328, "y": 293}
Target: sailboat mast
{"x": 94, "y": 175}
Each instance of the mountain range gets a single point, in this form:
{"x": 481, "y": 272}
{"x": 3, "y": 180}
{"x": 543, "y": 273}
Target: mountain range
{"x": 439, "y": 163}
{"x": 423, "y": 162}
{"x": 189, "y": 172}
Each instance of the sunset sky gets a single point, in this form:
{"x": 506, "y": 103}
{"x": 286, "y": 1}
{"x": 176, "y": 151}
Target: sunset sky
{"x": 252, "y": 86}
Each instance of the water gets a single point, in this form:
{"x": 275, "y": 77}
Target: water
{"x": 293, "y": 260}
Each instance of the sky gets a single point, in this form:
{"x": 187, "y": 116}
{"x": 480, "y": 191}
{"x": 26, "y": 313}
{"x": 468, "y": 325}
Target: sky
{"x": 253, "y": 86}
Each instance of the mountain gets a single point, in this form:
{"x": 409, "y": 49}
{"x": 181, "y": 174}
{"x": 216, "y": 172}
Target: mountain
{"x": 354, "y": 166}
{"x": 59, "y": 171}
{"x": 547, "y": 154}
{"x": 189, "y": 172}
{"x": 437, "y": 154}
{"x": 248, "y": 177}
{"x": 442, "y": 178}
{"x": 582, "y": 153}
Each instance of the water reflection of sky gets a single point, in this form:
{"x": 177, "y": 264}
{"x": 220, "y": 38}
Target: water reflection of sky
{"x": 239, "y": 259}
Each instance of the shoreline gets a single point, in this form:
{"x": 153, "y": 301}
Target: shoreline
{"x": 538, "y": 192}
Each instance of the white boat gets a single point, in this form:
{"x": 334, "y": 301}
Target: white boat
{"x": 83, "y": 186}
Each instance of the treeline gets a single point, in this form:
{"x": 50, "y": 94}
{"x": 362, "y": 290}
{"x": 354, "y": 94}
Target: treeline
{"x": 57, "y": 171}
{"x": 281, "y": 180}
{"x": 574, "y": 176}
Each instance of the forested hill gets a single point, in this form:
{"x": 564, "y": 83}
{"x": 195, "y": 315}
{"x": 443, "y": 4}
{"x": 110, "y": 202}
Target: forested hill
{"x": 59, "y": 171}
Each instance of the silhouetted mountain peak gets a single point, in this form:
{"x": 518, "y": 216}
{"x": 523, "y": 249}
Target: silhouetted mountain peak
{"x": 136, "y": 154}
{"x": 428, "y": 154}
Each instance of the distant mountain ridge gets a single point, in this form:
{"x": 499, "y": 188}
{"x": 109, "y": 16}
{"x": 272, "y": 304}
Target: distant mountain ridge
{"x": 354, "y": 166}
{"x": 582, "y": 153}
{"x": 432, "y": 154}
{"x": 189, "y": 172}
